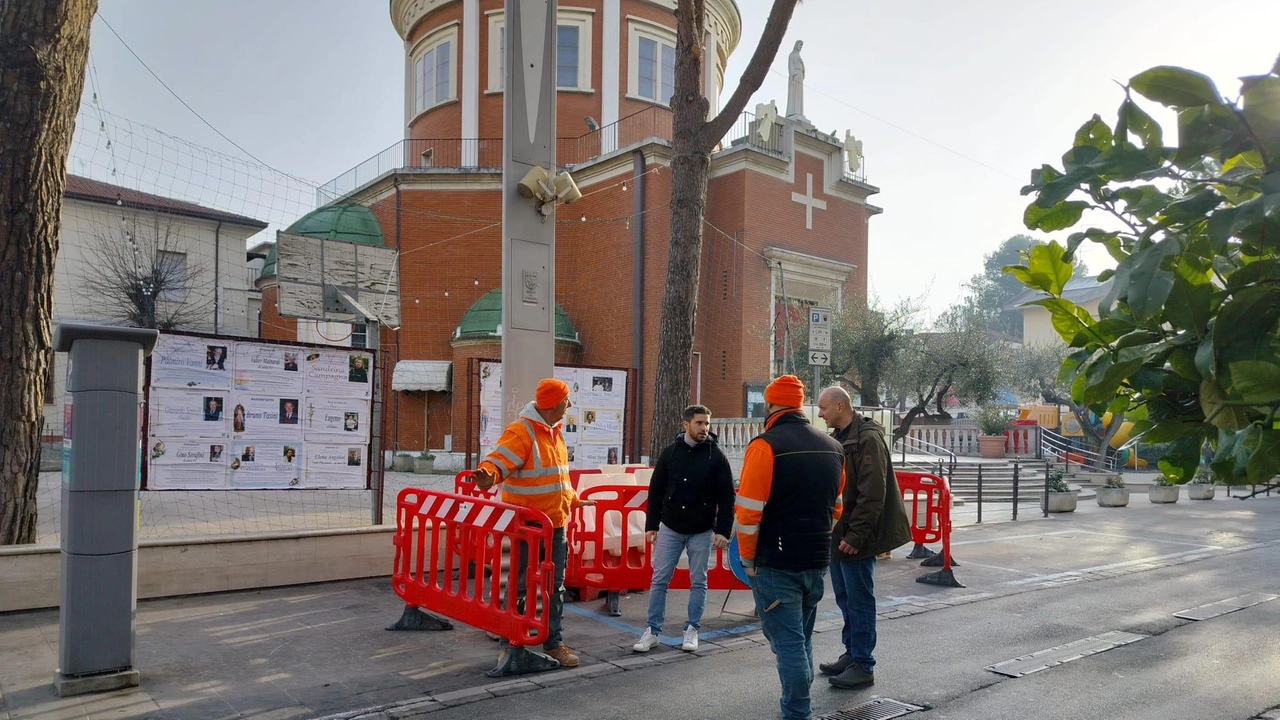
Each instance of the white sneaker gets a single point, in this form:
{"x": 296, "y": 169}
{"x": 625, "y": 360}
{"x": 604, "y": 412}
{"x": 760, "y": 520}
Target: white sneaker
{"x": 647, "y": 641}
{"x": 690, "y": 639}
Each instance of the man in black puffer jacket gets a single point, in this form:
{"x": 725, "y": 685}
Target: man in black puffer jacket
{"x": 690, "y": 509}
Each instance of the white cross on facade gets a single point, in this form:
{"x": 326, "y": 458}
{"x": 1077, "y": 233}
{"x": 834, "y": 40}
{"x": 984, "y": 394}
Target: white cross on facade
{"x": 809, "y": 201}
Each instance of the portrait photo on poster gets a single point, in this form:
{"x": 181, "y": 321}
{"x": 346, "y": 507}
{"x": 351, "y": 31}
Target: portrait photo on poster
{"x": 288, "y": 411}
{"x": 215, "y": 357}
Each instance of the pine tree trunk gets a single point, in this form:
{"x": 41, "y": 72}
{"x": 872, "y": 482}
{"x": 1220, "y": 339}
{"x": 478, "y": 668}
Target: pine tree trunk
{"x": 693, "y": 138}
{"x": 43, "y": 48}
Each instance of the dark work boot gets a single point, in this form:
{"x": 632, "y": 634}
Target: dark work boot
{"x": 839, "y": 665}
{"x": 853, "y": 677}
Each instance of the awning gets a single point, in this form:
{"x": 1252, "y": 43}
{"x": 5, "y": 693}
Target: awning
{"x": 422, "y": 375}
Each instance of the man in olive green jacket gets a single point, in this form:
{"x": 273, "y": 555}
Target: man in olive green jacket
{"x": 874, "y": 521}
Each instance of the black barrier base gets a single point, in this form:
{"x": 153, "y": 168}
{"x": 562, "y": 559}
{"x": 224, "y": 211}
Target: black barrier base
{"x": 415, "y": 619}
{"x": 920, "y": 552}
{"x": 935, "y": 560}
{"x": 611, "y": 604}
{"x": 943, "y": 577}
{"x": 522, "y": 661}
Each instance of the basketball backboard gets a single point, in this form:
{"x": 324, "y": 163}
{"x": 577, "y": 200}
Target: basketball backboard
{"x": 336, "y": 280}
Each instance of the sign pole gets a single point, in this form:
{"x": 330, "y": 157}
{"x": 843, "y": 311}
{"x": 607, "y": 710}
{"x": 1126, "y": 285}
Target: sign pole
{"x": 528, "y": 236}
{"x": 372, "y": 336}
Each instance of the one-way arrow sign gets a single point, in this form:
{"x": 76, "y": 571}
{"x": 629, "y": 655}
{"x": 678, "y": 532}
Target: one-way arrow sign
{"x": 819, "y": 358}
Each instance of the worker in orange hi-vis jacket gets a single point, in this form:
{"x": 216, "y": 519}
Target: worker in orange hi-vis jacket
{"x": 788, "y": 498}
{"x": 532, "y": 465}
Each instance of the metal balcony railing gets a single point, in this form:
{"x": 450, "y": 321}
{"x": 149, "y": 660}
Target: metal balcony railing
{"x": 485, "y": 154}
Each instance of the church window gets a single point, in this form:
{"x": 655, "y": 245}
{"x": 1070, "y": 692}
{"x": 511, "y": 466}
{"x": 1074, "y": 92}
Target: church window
{"x": 573, "y": 51}
{"x": 652, "y": 63}
{"x": 433, "y": 65}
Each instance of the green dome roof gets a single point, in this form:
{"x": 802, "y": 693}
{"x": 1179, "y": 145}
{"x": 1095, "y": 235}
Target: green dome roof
{"x": 482, "y": 319}
{"x": 353, "y": 223}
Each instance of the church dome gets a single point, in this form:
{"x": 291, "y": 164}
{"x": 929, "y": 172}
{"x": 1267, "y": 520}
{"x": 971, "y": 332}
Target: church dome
{"x": 353, "y": 223}
{"x": 482, "y": 319}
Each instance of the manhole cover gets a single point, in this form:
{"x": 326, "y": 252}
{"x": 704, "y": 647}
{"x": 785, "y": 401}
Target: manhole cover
{"x": 882, "y": 709}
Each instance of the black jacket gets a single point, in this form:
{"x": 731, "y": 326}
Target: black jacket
{"x": 691, "y": 490}
{"x": 795, "y": 527}
{"x": 874, "y": 518}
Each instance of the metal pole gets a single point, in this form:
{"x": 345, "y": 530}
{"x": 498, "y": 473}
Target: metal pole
{"x": 1015, "y": 490}
{"x": 979, "y": 493}
{"x": 372, "y": 342}
{"x": 528, "y": 235}
{"x": 1046, "y": 490}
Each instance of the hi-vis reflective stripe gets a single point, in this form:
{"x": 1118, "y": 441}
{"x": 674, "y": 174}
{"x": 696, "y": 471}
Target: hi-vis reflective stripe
{"x": 557, "y": 486}
{"x": 746, "y": 529}
{"x": 541, "y": 472}
{"x": 533, "y": 443}
{"x": 507, "y": 453}
{"x": 638, "y": 500}
{"x": 750, "y": 503}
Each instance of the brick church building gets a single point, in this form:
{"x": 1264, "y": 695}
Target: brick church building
{"x": 786, "y": 219}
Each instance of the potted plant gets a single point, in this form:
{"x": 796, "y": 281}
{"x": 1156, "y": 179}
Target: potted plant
{"x": 1059, "y": 498}
{"x": 402, "y": 462}
{"x": 993, "y": 423}
{"x": 425, "y": 463}
{"x": 1163, "y": 490}
{"x": 1201, "y": 486}
{"x": 1113, "y": 493}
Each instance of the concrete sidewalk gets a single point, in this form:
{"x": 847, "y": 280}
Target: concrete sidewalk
{"x": 321, "y": 650}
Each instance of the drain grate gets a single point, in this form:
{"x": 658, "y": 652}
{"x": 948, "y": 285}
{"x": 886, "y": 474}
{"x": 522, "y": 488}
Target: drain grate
{"x": 1045, "y": 659}
{"x": 1222, "y": 607}
{"x": 881, "y": 709}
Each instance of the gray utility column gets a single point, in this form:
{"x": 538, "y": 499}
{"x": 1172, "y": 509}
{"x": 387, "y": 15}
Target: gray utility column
{"x": 528, "y": 236}
{"x": 101, "y": 467}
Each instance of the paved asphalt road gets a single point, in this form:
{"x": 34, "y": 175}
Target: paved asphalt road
{"x": 1227, "y": 667}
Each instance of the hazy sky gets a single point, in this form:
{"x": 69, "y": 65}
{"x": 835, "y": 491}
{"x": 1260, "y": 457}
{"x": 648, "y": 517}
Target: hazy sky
{"x": 955, "y": 101}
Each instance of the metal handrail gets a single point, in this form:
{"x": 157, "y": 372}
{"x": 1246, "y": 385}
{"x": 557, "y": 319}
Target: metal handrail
{"x": 1058, "y": 444}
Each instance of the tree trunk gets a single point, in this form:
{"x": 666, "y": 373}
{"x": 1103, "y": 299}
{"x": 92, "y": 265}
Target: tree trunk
{"x": 693, "y": 138}
{"x": 43, "y": 48}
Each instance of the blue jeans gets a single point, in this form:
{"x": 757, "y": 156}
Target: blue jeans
{"x": 788, "y": 604}
{"x": 854, "y": 584}
{"x": 665, "y": 555}
{"x": 559, "y": 558}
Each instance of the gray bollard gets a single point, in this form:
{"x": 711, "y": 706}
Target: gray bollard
{"x": 101, "y": 469}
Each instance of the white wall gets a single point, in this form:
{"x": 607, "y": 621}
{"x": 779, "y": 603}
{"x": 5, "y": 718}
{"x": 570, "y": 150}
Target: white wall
{"x": 202, "y": 240}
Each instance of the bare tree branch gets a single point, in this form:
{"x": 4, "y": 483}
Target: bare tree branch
{"x": 142, "y": 275}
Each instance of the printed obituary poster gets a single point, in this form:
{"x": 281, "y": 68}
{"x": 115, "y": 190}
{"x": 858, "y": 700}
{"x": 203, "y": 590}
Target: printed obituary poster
{"x": 227, "y": 414}
{"x": 187, "y": 362}
{"x": 266, "y": 464}
{"x": 593, "y": 426}
{"x": 190, "y": 464}
{"x": 268, "y": 370}
{"x": 336, "y": 466}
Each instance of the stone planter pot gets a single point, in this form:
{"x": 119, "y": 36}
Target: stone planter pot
{"x": 1113, "y": 497}
{"x": 1060, "y": 502}
{"x": 1200, "y": 491}
{"x": 1163, "y": 493}
{"x": 424, "y": 467}
{"x": 402, "y": 463}
{"x": 991, "y": 446}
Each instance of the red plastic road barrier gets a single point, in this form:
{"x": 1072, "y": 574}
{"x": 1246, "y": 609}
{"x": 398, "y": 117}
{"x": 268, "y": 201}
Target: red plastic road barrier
{"x": 928, "y": 501}
{"x": 449, "y": 560}
{"x": 464, "y": 484}
{"x": 576, "y": 473}
{"x": 607, "y": 549}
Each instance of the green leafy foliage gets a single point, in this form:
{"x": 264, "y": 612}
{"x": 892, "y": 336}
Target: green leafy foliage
{"x": 1187, "y": 341}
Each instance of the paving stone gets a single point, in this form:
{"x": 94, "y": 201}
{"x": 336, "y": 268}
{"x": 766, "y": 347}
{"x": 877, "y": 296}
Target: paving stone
{"x": 453, "y": 698}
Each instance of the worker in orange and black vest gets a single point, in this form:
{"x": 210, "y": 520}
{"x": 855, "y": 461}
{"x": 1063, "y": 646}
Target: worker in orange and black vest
{"x": 788, "y": 499}
{"x": 532, "y": 464}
